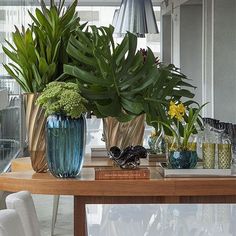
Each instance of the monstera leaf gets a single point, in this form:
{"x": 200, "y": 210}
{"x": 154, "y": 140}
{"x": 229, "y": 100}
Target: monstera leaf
{"x": 112, "y": 77}
{"x": 118, "y": 81}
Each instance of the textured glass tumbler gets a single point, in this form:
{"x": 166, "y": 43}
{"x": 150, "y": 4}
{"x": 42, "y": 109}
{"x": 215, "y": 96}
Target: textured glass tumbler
{"x": 208, "y": 154}
{"x": 224, "y": 156}
{"x": 65, "y": 145}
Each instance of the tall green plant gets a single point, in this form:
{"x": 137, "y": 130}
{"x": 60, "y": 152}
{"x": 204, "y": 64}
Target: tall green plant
{"x": 118, "y": 80}
{"x": 111, "y": 77}
{"x": 39, "y": 52}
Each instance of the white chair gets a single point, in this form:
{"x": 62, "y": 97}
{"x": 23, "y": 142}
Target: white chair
{"x": 10, "y": 223}
{"x": 23, "y": 203}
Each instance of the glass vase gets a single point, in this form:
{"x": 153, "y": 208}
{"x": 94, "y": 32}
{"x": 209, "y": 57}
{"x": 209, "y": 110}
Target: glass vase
{"x": 182, "y": 159}
{"x": 65, "y": 145}
{"x": 160, "y": 144}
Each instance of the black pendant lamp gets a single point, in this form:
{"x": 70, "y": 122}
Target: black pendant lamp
{"x": 135, "y": 16}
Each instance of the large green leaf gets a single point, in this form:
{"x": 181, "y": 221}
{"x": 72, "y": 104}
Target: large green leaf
{"x": 132, "y": 106}
{"x": 113, "y": 108}
{"x": 77, "y": 55}
{"x": 84, "y": 76}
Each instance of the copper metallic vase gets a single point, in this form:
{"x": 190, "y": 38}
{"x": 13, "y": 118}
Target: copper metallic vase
{"x": 123, "y": 134}
{"x": 35, "y": 126}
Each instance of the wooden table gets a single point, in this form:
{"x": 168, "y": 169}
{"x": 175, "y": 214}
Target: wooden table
{"x": 24, "y": 164}
{"x": 87, "y": 190}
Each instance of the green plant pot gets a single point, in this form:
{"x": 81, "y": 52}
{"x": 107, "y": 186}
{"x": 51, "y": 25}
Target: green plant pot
{"x": 182, "y": 159}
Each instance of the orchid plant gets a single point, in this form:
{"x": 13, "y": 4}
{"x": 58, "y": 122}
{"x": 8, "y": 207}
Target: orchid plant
{"x": 188, "y": 118}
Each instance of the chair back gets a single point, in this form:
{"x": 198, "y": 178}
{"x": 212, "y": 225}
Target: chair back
{"x": 10, "y": 223}
{"x": 23, "y": 203}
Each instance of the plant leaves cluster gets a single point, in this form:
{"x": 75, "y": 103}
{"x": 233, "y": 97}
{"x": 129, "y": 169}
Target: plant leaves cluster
{"x": 62, "y": 98}
{"x": 117, "y": 81}
{"x": 39, "y": 52}
{"x": 112, "y": 77}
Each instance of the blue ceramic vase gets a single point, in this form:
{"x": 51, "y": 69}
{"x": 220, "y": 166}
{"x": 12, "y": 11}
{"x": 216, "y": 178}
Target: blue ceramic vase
{"x": 65, "y": 145}
{"x": 182, "y": 159}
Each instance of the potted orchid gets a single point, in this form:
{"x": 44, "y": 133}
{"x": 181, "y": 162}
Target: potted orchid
{"x": 182, "y": 153}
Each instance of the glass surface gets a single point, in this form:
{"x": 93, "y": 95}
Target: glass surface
{"x": 161, "y": 220}
{"x": 65, "y": 145}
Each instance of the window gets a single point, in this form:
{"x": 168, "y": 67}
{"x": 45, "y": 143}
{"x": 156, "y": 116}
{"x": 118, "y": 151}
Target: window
{"x": 15, "y": 13}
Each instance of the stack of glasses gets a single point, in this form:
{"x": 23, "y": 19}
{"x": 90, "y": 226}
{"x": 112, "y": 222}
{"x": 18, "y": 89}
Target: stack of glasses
{"x": 218, "y": 137}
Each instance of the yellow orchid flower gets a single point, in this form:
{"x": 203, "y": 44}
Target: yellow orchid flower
{"x": 172, "y": 110}
{"x": 179, "y": 116}
{"x": 181, "y": 108}
{"x": 176, "y": 111}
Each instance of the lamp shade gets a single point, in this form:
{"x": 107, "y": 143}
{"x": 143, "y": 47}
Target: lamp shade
{"x": 135, "y": 16}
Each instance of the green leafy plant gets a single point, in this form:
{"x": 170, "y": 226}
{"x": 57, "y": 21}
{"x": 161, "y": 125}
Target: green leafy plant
{"x": 62, "y": 98}
{"x": 120, "y": 81}
{"x": 39, "y": 52}
{"x": 111, "y": 77}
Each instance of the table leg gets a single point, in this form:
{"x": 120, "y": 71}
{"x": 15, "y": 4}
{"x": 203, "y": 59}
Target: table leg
{"x": 80, "y": 224}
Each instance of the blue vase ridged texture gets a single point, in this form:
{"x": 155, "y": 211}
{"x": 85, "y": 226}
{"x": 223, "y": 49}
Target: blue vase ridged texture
{"x": 183, "y": 159}
{"x": 65, "y": 145}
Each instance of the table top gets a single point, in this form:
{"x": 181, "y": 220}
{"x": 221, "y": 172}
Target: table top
{"x": 86, "y": 185}
{"x": 24, "y": 164}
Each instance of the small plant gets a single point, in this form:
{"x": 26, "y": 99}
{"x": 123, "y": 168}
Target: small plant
{"x": 181, "y": 119}
{"x": 62, "y": 98}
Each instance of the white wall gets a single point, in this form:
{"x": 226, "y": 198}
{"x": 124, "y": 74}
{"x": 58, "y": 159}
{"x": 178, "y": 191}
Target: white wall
{"x": 175, "y": 52}
{"x": 204, "y": 47}
{"x": 166, "y": 39}
{"x": 191, "y": 46}
{"x": 207, "y": 58}
{"x": 225, "y": 60}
